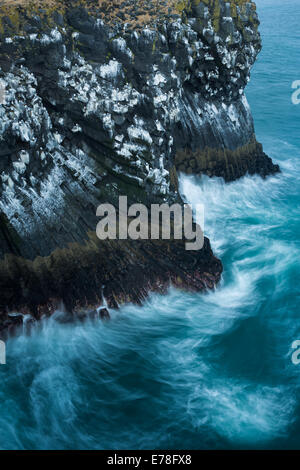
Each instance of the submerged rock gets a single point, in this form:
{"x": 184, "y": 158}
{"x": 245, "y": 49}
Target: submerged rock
{"x": 104, "y": 314}
{"x": 108, "y": 100}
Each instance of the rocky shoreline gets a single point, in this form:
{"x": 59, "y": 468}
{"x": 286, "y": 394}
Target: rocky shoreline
{"x": 101, "y": 103}
{"x": 82, "y": 278}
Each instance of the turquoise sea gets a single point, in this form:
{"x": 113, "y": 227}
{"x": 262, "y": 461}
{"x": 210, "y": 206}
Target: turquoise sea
{"x": 189, "y": 371}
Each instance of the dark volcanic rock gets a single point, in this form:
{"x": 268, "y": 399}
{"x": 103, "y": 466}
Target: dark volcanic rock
{"x": 94, "y": 110}
{"x": 104, "y": 314}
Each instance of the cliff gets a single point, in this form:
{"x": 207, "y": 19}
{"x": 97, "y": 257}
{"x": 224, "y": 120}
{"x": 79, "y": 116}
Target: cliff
{"x": 114, "y": 98}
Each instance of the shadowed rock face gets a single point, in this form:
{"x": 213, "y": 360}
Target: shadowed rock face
{"x": 96, "y": 109}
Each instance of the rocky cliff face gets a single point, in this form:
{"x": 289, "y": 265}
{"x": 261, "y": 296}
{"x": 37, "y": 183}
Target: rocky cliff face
{"x": 105, "y": 99}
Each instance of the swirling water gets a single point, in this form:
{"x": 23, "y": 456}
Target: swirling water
{"x": 189, "y": 370}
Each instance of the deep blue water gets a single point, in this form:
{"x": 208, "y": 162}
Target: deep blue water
{"x": 189, "y": 371}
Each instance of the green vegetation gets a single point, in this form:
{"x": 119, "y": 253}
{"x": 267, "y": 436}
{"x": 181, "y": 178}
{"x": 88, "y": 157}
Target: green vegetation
{"x": 109, "y": 11}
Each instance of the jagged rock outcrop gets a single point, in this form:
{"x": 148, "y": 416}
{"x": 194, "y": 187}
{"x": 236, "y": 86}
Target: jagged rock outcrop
{"x": 108, "y": 100}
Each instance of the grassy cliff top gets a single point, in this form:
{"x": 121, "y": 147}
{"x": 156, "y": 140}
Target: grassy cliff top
{"x": 136, "y": 13}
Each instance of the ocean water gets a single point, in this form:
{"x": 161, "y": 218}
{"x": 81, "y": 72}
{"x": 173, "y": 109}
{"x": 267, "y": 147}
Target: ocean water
{"x": 189, "y": 370}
